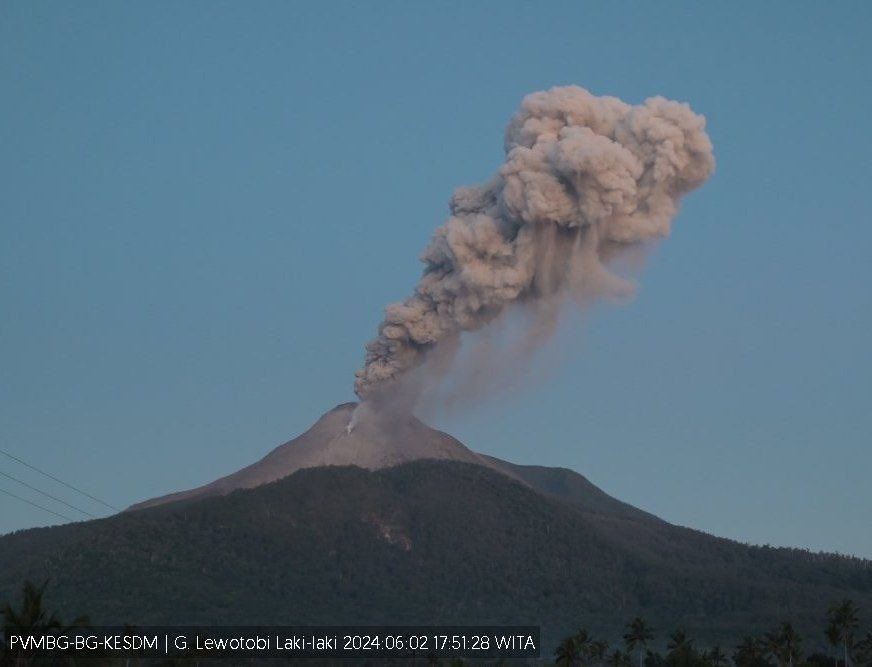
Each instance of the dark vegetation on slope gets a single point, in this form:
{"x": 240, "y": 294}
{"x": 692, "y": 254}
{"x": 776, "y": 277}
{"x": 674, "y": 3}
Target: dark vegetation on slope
{"x": 425, "y": 542}
{"x": 571, "y": 488}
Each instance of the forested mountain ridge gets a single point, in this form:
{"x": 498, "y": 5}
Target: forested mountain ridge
{"x": 433, "y": 542}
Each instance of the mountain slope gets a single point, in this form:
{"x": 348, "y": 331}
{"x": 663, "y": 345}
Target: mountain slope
{"x": 423, "y": 542}
{"x": 377, "y": 440}
{"x": 568, "y": 487}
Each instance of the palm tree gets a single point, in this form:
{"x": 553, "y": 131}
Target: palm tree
{"x": 679, "y": 644}
{"x": 582, "y": 643}
{"x": 832, "y": 633}
{"x": 31, "y": 617}
{"x": 637, "y": 636}
{"x": 618, "y": 659}
{"x": 747, "y": 653}
{"x": 772, "y": 645}
{"x": 567, "y": 653}
{"x": 598, "y": 650}
{"x": 864, "y": 648}
{"x": 791, "y": 644}
{"x": 843, "y": 617}
{"x": 716, "y": 657}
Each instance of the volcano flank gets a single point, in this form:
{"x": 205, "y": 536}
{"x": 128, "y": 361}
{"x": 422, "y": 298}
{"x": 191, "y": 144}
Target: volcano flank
{"x": 395, "y": 523}
{"x": 377, "y": 440}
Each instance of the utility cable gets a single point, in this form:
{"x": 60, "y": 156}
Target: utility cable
{"x": 47, "y": 495}
{"x": 25, "y": 500}
{"x": 59, "y": 481}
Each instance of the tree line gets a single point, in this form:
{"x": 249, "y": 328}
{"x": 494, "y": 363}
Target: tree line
{"x": 779, "y": 647}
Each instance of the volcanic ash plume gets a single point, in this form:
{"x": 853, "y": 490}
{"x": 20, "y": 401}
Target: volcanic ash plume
{"x": 584, "y": 178}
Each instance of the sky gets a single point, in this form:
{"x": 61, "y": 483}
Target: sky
{"x": 205, "y": 207}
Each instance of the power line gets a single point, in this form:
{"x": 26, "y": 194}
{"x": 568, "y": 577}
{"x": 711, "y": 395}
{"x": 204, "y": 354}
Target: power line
{"x": 59, "y": 481}
{"x": 47, "y": 495}
{"x": 25, "y": 500}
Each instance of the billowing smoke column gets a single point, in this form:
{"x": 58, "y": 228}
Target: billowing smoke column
{"x": 584, "y": 178}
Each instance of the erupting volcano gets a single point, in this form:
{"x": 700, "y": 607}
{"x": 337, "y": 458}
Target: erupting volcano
{"x": 585, "y": 179}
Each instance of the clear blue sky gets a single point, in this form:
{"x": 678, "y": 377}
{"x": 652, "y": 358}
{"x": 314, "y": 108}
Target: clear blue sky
{"x": 205, "y": 206}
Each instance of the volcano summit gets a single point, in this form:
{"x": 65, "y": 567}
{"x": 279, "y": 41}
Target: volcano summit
{"x": 374, "y": 440}
{"x": 354, "y": 434}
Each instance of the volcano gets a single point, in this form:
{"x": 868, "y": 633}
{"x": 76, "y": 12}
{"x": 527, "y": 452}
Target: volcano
{"x": 353, "y": 434}
{"x": 376, "y": 440}
{"x": 391, "y": 522}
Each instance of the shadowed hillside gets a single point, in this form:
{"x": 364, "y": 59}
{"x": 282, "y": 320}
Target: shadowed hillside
{"x": 424, "y": 542}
